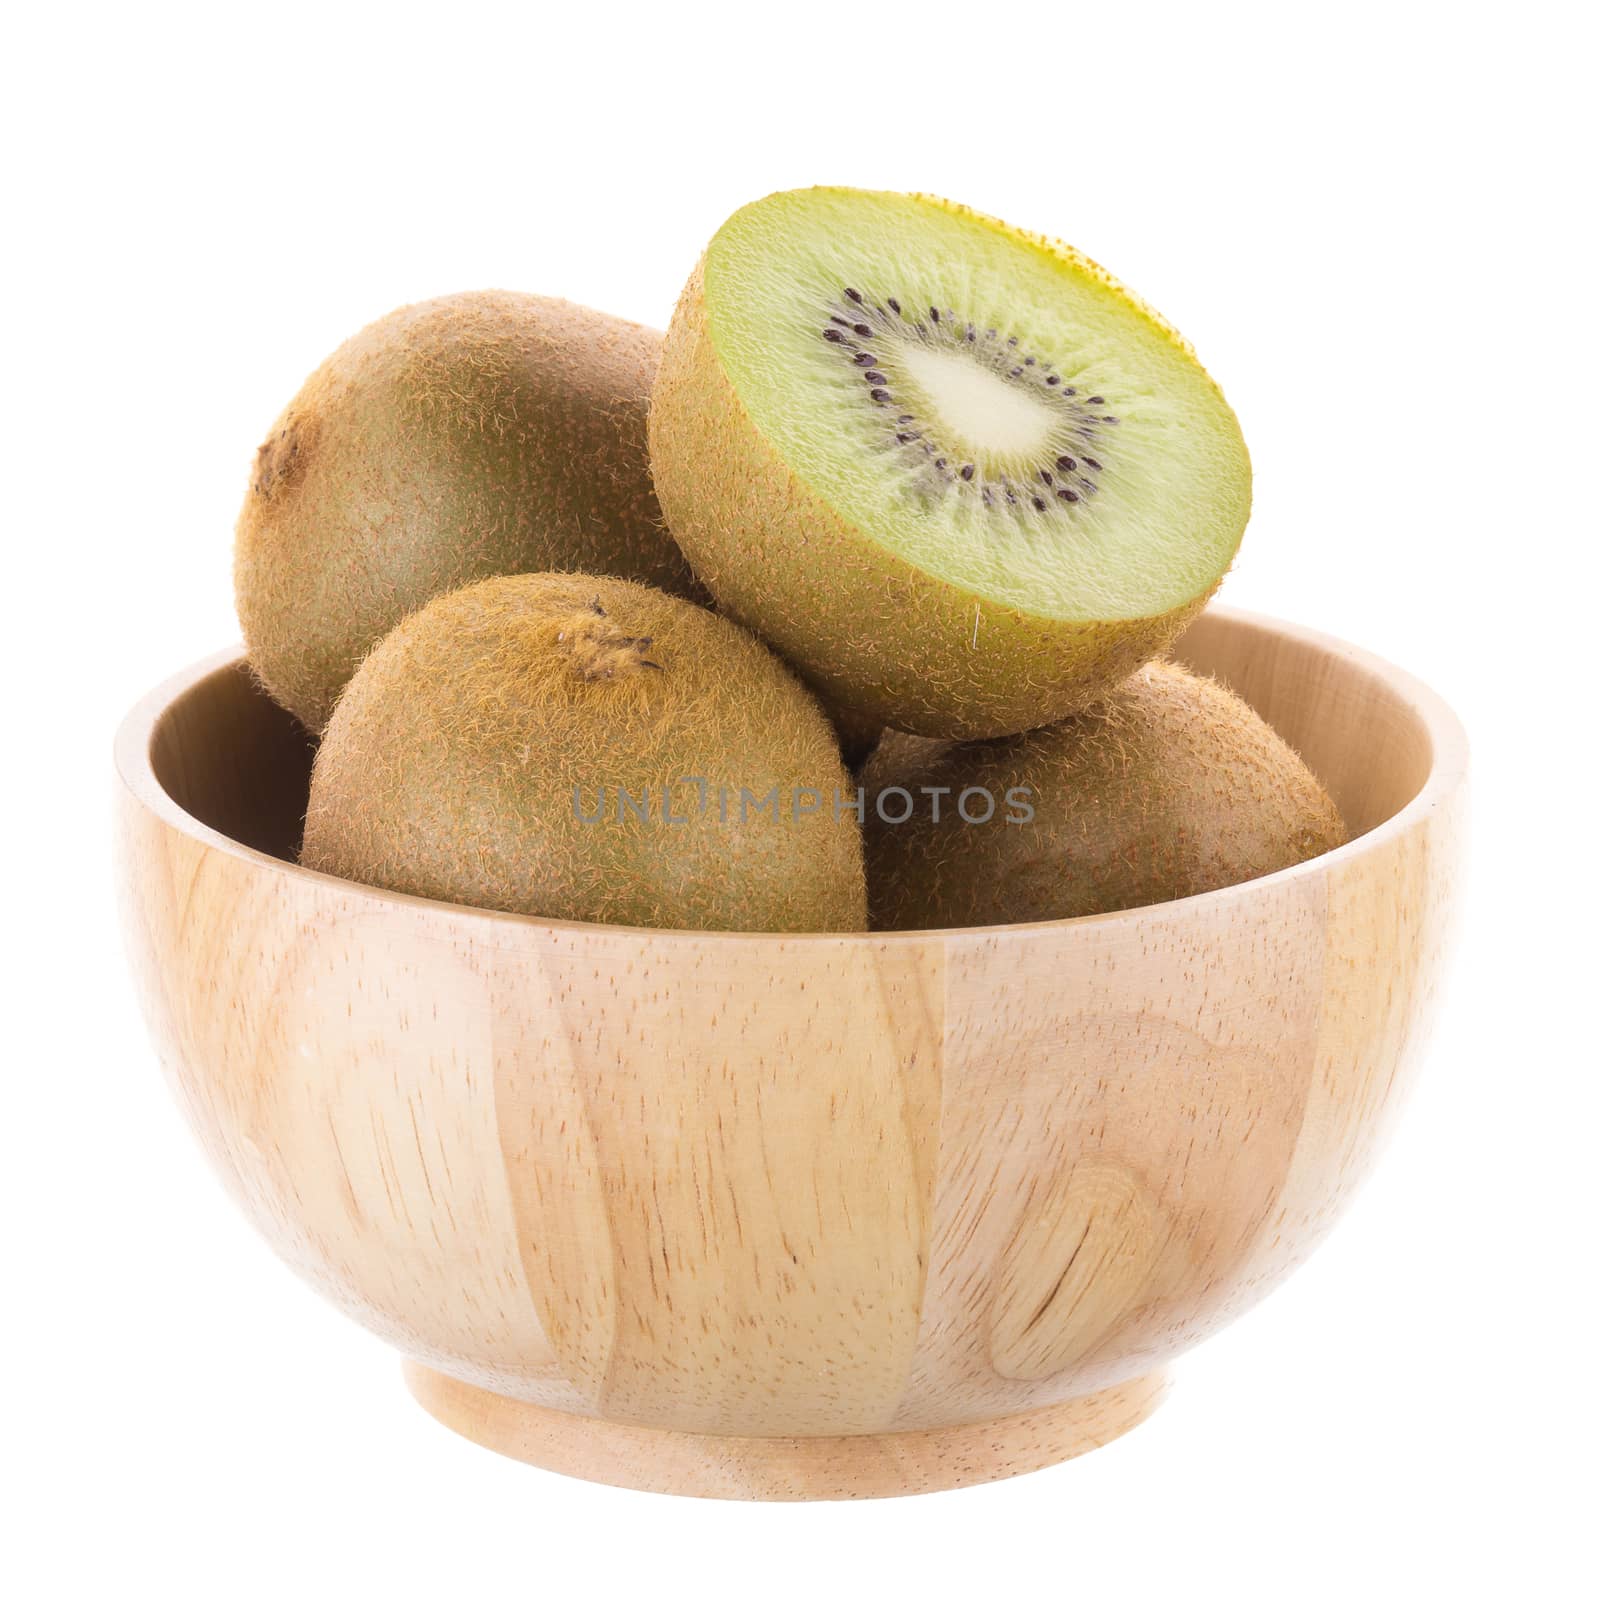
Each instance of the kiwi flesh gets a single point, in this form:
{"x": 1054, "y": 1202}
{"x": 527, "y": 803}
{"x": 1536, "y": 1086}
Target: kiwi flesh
{"x": 962, "y": 479}
{"x": 453, "y": 440}
{"x": 1172, "y": 786}
{"x": 590, "y": 749}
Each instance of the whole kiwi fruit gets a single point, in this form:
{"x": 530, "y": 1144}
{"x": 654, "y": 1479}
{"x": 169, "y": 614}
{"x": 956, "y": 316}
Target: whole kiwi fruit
{"x": 590, "y": 749}
{"x": 457, "y": 439}
{"x": 1171, "y": 786}
{"x": 955, "y": 473}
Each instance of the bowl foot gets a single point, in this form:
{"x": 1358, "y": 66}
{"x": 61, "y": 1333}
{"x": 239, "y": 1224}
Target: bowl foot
{"x": 852, "y": 1467}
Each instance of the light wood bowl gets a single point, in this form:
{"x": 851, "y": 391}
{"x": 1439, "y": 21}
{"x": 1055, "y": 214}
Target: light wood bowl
{"x": 780, "y": 1217}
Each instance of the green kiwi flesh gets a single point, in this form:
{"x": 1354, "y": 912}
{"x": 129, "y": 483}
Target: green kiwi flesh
{"x": 589, "y": 749}
{"x": 954, "y": 472}
{"x": 1172, "y": 786}
{"x": 453, "y": 440}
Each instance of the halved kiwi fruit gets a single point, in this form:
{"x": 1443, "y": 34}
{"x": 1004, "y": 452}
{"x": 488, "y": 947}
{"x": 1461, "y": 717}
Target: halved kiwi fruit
{"x": 1172, "y": 786}
{"x": 450, "y": 441}
{"x": 590, "y": 749}
{"x": 954, "y": 472}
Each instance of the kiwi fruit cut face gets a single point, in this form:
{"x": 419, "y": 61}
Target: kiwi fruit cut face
{"x": 961, "y": 478}
{"x": 1172, "y": 786}
{"x": 589, "y": 749}
{"x": 453, "y": 440}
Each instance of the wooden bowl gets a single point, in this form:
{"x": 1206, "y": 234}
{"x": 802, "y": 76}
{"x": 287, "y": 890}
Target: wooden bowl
{"x": 779, "y": 1217}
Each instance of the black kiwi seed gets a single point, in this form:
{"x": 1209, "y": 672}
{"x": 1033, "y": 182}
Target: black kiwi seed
{"x": 933, "y": 311}
{"x": 880, "y": 395}
{"x": 1052, "y": 379}
{"x": 876, "y": 377}
{"x": 1095, "y": 400}
{"x": 862, "y": 329}
{"x": 1067, "y": 464}
{"x": 862, "y": 359}
{"x": 1044, "y": 474}
{"x": 1089, "y": 461}
{"x": 853, "y": 294}
{"x": 1068, "y": 495}
{"x": 894, "y": 305}
{"x": 1038, "y": 504}
{"x": 833, "y": 336}
{"x": 906, "y": 418}
{"x": 1030, "y": 362}
{"x": 966, "y": 474}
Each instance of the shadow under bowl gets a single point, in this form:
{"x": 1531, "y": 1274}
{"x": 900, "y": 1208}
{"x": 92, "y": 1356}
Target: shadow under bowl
{"x": 792, "y": 1217}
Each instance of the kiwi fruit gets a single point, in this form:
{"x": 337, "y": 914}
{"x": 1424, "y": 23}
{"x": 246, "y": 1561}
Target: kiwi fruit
{"x": 1172, "y": 786}
{"x": 590, "y": 749}
{"x": 958, "y": 475}
{"x": 457, "y": 439}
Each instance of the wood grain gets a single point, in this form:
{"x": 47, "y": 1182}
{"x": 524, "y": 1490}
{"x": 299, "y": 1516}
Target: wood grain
{"x": 792, "y": 1217}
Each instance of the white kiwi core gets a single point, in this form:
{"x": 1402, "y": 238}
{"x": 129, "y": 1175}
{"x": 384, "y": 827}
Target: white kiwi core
{"x": 976, "y": 408}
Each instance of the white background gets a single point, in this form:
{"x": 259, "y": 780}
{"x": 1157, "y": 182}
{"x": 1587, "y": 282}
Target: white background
{"x": 1372, "y": 221}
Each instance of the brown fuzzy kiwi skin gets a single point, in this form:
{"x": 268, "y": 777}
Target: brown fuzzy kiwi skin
{"x": 868, "y": 630}
{"x": 1172, "y": 786}
{"x": 449, "y": 767}
{"x": 452, "y": 440}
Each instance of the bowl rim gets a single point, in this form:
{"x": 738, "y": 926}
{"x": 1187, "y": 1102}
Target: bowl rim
{"x": 1447, "y": 770}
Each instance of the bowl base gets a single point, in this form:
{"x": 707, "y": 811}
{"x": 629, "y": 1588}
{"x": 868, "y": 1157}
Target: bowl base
{"x": 850, "y": 1467}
